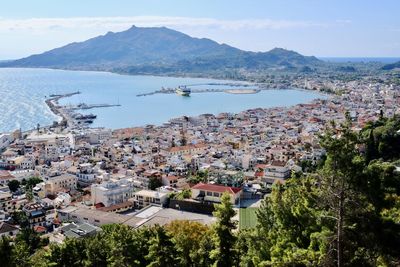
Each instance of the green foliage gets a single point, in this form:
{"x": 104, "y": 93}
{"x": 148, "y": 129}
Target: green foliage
{"x": 31, "y": 182}
{"x": 187, "y": 237}
{"x": 184, "y": 194}
{"x": 6, "y": 252}
{"x": 161, "y": 250}
{"x": 154, "y": 183}
{"x": 200, "y": 177}
{"x": 13, "y": 185}
{"x": 20, "y": 218}
{"x": 224, "y": 238}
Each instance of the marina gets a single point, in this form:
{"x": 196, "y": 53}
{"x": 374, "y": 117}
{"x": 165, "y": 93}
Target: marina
{"x": 68, "y": 114}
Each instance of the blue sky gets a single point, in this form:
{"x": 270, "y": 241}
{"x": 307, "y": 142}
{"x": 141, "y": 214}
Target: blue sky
{"x": 336, "y": 28}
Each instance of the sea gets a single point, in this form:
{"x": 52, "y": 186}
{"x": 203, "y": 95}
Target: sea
{"x": 23, "y": 93}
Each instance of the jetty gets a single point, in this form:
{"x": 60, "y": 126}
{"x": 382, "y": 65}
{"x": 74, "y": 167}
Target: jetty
{"x": 90, "y": 106}
{"x": 209, "y": 90}
{"x": 67, "y": 113}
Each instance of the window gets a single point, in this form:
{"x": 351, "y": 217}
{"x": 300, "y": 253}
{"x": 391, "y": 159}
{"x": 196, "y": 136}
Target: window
{"x": 209, "y": 193}
{"x": 216, "y": 194}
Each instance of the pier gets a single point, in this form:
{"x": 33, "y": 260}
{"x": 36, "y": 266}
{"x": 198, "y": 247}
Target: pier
{"x": 67, "y": 113}
{"x": 209, "y": 90}
{"x": 90, "y": 106}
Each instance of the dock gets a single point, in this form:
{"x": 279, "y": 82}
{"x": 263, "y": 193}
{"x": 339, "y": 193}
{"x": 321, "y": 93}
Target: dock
{"x": 207, "y": 90}
{"x": 69, "y": 117}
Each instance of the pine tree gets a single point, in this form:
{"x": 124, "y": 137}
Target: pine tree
{"x": 224, "y": 237}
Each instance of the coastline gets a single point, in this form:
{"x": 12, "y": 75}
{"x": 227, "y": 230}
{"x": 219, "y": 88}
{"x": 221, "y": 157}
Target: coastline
{"x": 51, "y": 102}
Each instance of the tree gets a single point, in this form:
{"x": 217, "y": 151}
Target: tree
{"x": 338, "y": 180}
{"x": 154, "y": 183}
{"x": 161, "y": 250}
{"x": 13, "y": 185}
{"x": 70, "y": 253}
{"x": 31, "y": 239}
{"x": 6, "y": 250}
{"x": 186, "y": 235}
{"x": 31, "y": 182}
{"x": 224, "y": 238}
{"x": 289, "y": 230}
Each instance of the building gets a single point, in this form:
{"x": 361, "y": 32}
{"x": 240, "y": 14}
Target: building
{"x": 5, "y": 177}
{"x": 170, "y": 180}
{"x": 8, "y": 230}
{"x": 35, "y": 213}
{"x": 213, "y": 193}
{"x": 186, "y": 150}
{"x": 112, "y": 192}
{"x": 277, "y": 170}
{"x": 6, "y": 202}
{"x": 56, "y": 184}
{"x": 85, "y": 174}
{"x": 95, "y": 217}
{"x": 144, "y": 198}
{"x": 77, "y": 230}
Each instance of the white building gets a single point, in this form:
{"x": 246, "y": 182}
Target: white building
{"x": 144, "y": 198}
{"x": 85, "y": 174}
{"x": 112, "y": 192}
{"x": 277, "y": 170}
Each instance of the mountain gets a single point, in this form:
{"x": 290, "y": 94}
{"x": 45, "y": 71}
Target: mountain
{"x": 392, "y": 66}
{"x": 159, "y": 50}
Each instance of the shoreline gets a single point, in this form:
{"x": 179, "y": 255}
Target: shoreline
{"x": 52, "y": 102}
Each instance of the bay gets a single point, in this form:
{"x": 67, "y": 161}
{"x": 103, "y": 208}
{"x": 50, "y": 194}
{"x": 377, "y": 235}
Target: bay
{"x": 23, "y": 92}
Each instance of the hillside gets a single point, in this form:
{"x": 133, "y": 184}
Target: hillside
{"x": 160, "y": 50}
{"x": 392, "y": 66}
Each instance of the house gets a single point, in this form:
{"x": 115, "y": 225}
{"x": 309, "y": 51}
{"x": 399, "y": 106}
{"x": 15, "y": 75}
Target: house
{"x": 77, "y": 230}
{"x": 8, "y": 230}
{"x": 35, "y": 213}
{"x": 213, "y": 193}
{"x": 170, "y": 180}
{"x": 5, "y": 177}
{"x": 144, "y": 198}
{"x": 6, "y": 202}
{"x": 59, "y": 183}
{"x": 277, "y": 170}
{"x": 85, "y": 174}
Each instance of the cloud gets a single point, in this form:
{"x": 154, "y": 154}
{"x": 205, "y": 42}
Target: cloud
{"x": 119, "y": 23}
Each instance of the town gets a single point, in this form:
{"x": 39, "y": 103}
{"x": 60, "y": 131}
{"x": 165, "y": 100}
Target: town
{"x": 68, "y": 179}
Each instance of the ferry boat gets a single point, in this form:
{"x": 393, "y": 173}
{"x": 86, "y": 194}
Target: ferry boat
{"x": 183, "y": 91}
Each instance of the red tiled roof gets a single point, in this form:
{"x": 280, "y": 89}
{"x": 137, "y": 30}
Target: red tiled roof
{"x": 217, "y": 188}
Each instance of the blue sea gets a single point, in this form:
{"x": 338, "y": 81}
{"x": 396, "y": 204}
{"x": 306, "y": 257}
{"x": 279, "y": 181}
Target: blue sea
{"x": 23, "y": 93}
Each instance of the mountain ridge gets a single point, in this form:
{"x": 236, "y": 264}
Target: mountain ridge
{"x": 159, "y": 48}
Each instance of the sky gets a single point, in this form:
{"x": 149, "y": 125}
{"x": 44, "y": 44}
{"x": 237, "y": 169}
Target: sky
{"x": 335, "y": 28}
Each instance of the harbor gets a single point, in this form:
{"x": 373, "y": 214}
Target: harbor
{"x": 68, "y": 114}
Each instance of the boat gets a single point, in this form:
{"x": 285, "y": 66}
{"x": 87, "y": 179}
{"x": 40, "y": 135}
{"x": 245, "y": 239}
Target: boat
{"x": 183, "y": 91}
{"x": 85, "y": 117}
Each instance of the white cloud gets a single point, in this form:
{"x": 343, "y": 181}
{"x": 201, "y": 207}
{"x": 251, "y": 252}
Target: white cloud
{"x": 41, "y": 25}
